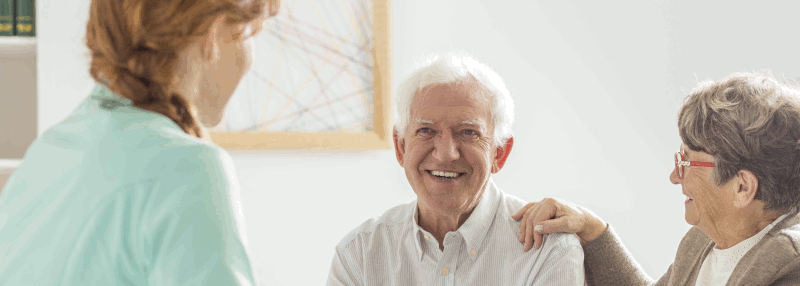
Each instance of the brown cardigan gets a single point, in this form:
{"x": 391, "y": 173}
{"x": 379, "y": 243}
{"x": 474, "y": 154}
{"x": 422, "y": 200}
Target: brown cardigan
{"x": 775, "y": 260}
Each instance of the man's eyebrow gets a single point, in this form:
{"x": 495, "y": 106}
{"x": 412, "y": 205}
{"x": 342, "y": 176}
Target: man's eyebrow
{"x": 472, "y": 122}
{"x": 423, "y": 121}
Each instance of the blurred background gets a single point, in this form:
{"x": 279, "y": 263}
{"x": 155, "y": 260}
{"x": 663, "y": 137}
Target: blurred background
{"x": 597, "y": 86}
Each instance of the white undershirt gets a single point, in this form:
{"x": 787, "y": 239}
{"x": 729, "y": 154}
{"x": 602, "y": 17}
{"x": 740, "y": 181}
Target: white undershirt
{"x": 719, "y": 264}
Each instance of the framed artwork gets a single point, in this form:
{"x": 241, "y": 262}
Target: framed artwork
{"x": 320, "y": 80}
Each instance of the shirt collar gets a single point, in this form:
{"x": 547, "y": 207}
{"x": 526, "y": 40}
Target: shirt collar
{"x": 416, "y": 230}
{"x": 108, "y": 99}
{"x": 474, "y": 228}
{"x": 477, "y": 225}
{"x": 736, "y": 252}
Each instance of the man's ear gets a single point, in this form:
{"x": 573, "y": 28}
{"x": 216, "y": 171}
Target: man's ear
{"x": 399, "y": 147}
{"x": 501, "y": 155}
{"x": 745, "y": 192}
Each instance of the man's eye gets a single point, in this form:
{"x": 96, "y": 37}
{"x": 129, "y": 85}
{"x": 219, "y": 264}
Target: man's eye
{"x": 425, "y": 131}
{"x": 470, "y": 132}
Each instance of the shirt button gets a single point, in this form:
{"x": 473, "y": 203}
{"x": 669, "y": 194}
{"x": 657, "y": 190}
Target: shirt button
{"x": 445, "y": 271}
{"x": 419, "y": 251}
{"x": 427, "y": 237}
{"x": 472, "y": 252}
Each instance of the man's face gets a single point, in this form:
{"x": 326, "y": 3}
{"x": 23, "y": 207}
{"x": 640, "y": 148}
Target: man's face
{"x": 447, "y": 150}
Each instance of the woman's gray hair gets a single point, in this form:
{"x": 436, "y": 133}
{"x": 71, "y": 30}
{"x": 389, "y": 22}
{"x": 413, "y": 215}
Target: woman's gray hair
{"x": 458, "y": 68}
{"x": 748, "y": 121}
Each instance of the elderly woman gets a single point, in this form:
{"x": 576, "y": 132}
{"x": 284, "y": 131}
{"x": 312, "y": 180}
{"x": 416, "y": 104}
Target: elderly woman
{"x": 739, "y": 167}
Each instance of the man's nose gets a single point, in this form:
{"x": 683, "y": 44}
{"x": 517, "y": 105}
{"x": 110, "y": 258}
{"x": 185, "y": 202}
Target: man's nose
{"x": 446, "y": 148}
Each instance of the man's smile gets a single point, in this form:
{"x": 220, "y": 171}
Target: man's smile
{"x": 445, "y": 174}
{"x": 444, "y": 177}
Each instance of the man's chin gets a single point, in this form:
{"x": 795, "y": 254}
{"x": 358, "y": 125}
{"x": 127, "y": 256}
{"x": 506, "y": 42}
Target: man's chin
{"x": 443, "y": 204}
{"x": 443, "y": 189}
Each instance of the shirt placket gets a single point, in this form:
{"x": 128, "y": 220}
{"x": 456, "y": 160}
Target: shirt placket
{"x": 447, "y": 265}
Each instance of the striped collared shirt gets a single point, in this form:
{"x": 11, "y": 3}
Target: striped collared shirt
{"x": 393, "y": 250}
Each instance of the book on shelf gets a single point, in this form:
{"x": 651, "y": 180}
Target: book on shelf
{"x": 25, "y": 18}
{"x": 7, "y": 17}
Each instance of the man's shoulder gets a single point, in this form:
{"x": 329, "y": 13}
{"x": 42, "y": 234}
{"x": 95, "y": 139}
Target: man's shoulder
{"x": 554, "y": 241}
{"x": 376, "y": 227}
{"x": 510, "y": 204}
{"x": 560, "y": 241}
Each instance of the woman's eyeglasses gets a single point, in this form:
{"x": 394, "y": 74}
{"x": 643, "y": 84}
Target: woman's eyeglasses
{"x": 681, "y": 165}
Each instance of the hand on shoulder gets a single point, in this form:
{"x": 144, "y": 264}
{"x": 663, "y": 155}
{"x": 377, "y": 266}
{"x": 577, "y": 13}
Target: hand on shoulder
{"x": 553, "y": 215}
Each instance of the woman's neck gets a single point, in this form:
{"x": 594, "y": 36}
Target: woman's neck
{"x": 741, "y": 227}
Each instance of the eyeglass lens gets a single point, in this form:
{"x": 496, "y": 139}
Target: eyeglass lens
{"x": 679, "y": 157}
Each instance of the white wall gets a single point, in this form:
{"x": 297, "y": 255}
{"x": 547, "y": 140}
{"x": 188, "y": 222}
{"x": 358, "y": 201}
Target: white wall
{"x": 63, "y": 65}
{"x": 597, "y": 86}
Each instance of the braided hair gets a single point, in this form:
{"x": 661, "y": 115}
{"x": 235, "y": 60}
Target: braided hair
{"x": 135, "y": 47}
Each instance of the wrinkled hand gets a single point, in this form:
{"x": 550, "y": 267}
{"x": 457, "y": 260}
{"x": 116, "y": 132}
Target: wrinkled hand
{"x": 553, "y": 215}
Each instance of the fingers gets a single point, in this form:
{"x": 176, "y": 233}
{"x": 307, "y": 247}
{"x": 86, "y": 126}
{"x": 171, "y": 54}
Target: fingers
{"x": 533, "y": 239}
{"x": 521, "y": 211}
{"x": 535, "y": 223}
{"x": 566, "y": 224}
{"x": 551, "y": 215}
{"x": 523, "y": 225}
{"x": 527, "y": 236}
{"x": 528, "y": 239}
{"x": 562, "y": 224}
{"x": 538, "y": 238}
{"x": 546, "y": 210}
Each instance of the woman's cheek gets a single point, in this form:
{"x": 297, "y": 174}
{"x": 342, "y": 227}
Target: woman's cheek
{"x": 248, "y": 47}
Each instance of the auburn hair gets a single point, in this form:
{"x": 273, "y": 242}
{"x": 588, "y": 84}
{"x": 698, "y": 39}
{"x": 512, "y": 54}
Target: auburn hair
{"x": 135, "y": 47}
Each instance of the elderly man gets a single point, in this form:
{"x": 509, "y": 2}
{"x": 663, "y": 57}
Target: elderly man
{"x": 453, "y": 132}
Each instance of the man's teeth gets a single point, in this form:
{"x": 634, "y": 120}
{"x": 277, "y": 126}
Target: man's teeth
{"x": 688, "y": 197}
{"x": 444, "y": 174}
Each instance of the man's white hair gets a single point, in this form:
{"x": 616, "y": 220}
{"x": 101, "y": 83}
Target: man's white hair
{"x": 458, "y": 68}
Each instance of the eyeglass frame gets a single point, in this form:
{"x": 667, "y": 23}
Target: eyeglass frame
{"x": 679, "y": 164}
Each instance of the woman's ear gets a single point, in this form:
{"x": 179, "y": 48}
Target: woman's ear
{"x": 745, "y": 191}
{"x": 209, "y": 45}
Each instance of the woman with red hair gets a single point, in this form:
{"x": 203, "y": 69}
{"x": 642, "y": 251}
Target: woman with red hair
{"x": 128, "y": 189}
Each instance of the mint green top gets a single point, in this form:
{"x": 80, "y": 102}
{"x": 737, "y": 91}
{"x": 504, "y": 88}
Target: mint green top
{"x": 116, "y": 195}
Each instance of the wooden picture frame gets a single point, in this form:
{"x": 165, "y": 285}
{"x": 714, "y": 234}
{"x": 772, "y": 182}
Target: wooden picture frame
{"x": 379, "y": 133}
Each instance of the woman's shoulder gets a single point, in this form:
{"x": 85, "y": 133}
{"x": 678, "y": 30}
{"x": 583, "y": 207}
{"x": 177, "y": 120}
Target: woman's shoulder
{"x": 785, "y": 237}
{"x": 126, "y": 150}
{"x": 693, "y": 244}
{"x": 190, "y": 159}
{"x": 106, "y": 122}
{"x": 695, "y": 238}
{"x": 775, "y": 260}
